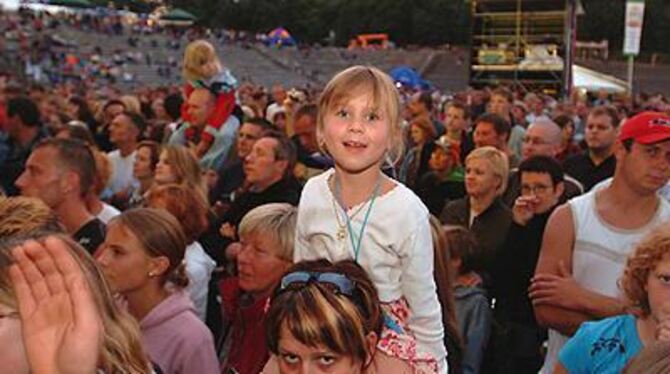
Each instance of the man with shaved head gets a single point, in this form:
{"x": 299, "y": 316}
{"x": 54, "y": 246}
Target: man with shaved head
{"x": 542, "y": 138}
{"x": 201, "y": 105}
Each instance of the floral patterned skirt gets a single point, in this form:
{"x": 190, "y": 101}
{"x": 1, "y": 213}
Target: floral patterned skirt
{"x": 398, "y": 341}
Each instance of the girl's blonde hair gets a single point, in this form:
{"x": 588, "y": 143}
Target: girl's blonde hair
{"x": 317, "y": 314}
{"x": 197, "y": 54}
{"x": 186, "y": 168}
{"x": 385, "y": 98}
{"x": 122, "y": 350}
{"x": 498, "y": 161}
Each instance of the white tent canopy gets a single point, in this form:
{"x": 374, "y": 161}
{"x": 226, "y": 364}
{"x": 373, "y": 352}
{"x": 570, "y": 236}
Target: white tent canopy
{"x": 9, "y": 4}
{"x": 591, "y": 80}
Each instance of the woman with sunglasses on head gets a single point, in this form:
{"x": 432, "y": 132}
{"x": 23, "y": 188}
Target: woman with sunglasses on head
{"x": 326, "y": 318}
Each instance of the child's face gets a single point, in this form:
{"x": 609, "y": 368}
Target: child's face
{"x": 210, "y": 69}
{"x": 356, "y": 134}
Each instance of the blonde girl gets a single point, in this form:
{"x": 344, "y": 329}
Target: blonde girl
{"x": 203, "y": 69}
{"x": 354, "y": 211}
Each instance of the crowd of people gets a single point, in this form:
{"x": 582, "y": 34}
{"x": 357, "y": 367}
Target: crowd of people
{"x": 362, "y": 227}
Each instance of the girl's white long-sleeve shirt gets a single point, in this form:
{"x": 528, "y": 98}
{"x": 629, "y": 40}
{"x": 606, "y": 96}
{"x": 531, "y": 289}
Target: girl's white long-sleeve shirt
{"x": 396, "y": 251}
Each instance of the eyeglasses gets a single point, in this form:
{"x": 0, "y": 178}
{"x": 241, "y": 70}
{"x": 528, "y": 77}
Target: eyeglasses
{"x": 536, "y": 189}
{"x": 341, "y": 283}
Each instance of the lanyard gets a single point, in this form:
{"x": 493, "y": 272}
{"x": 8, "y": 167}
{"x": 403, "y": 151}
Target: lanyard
{"x": 356, "y": 244}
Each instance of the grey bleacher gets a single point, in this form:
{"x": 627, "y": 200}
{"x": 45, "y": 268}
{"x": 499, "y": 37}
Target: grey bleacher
{"x": 268, "y": 65}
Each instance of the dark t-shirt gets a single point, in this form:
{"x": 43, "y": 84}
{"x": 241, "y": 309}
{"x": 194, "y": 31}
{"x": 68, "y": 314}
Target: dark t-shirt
{"x": 91, "y": 235}
{"x": 582, "y": 168}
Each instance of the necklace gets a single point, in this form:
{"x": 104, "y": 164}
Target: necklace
{"x": 342, "y": 229}
{"x": 342, "y": 226}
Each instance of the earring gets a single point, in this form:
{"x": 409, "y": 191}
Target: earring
{"x": 151, "y": 274}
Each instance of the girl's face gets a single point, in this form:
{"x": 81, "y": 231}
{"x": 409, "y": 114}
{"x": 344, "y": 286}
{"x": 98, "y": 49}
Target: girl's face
{"x": 297, "y": 358}
{"x": 417, "y": 135}
{"x": 124, "y": 261}
{"x": 356, "y": 134}
{"x": 480, "y": 180}
{"x": 658, "y": 289}
{"x": 12, "y": 354}
{"x": 164, "y": 172}
{"x": 210, "y": 68}
{"x": 142, "y": 165}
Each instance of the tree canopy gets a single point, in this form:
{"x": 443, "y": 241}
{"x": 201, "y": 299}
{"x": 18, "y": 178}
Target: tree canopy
{"x": 423, "y": 22}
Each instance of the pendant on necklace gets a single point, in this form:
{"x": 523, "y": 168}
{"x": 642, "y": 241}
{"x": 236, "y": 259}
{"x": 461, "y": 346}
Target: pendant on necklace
{"x": 341, "y": 233}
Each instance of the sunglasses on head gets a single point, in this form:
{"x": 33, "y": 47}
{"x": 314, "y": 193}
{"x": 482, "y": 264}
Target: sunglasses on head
{"x": 340, "y": 282}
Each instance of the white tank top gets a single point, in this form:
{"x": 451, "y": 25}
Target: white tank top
{"x": 599, "y": 255}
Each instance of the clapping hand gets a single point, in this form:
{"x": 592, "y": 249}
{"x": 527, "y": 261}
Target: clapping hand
{"x": 61, "y": 325}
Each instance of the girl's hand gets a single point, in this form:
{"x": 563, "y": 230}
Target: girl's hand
{"x": 61, "y": 326}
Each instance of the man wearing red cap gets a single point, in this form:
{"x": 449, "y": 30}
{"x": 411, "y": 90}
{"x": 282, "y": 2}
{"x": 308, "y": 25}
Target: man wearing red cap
{"x": 588, "y": 239}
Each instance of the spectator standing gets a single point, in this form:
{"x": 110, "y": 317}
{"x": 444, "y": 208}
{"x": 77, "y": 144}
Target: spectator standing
{"x": 598, "y": 162}
{"x": 587, "y": 240}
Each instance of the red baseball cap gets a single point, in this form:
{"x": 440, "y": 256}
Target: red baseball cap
{"x": 646, "y": 128}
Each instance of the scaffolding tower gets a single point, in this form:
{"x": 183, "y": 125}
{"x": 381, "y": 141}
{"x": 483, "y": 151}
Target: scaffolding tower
{"x": 525, "y": 44}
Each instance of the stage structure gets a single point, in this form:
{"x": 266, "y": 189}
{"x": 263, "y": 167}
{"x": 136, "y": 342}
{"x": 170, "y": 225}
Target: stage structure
{"x": 523, "y": 43}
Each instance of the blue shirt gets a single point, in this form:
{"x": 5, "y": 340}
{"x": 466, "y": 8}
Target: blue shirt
{"x": 602, "y": 347}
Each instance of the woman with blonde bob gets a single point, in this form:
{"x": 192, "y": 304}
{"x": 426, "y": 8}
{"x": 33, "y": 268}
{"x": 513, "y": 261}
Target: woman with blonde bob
{"x": 327, "y": 317}
{"x": 57, "y": 312}
{"x": 482, "y": 210}
{"x": 609, "y": 344}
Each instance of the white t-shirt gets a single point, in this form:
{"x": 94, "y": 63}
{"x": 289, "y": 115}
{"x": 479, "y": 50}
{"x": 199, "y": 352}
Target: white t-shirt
{"x": 199, "y": 267}
{"x": 122, "y": 171}
{"x": 396, "y": 251}
{"x": 107, "y": 213}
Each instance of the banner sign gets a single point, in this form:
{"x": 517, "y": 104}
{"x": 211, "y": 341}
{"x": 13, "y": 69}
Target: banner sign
{"x": 633, "y": 27}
